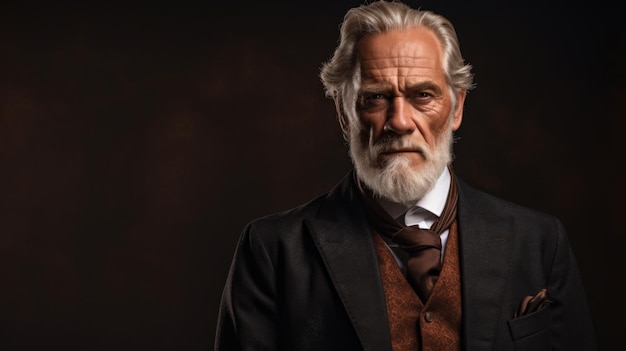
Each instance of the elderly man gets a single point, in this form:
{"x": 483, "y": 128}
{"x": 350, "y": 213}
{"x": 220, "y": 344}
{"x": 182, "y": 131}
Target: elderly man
{"x": 402, "y": 254}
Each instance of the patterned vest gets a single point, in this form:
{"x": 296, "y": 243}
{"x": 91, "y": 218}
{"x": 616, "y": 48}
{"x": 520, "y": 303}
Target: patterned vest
{"x": 415, "y": 326}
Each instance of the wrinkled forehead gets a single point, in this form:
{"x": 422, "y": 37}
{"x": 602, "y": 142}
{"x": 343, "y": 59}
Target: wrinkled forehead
{"x": 414, "y": 52}
{"x": 415, "y": 42}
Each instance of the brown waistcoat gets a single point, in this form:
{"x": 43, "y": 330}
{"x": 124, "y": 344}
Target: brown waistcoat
{"x": 434, "y": 326}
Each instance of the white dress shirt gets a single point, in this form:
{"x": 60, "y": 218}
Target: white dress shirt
{"x": 424, "y": 213}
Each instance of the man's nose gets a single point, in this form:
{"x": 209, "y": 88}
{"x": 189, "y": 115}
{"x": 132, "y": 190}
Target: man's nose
{"x": 399, "y": 119}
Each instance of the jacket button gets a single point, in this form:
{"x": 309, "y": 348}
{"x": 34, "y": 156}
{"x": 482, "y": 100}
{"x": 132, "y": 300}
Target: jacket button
{"x": 429, "y": 316}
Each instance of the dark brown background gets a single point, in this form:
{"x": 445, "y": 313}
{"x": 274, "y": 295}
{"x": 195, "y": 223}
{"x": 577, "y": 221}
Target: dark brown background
{"x": 137, "y": 140}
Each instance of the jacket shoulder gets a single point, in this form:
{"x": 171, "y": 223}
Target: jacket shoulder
{"x": 339, "y": 203}
{"x": 482, "y": 202}
{"x": 288, "y": 220}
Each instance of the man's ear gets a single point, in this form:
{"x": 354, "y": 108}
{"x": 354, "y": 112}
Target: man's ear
{"x": 458, "y": 111}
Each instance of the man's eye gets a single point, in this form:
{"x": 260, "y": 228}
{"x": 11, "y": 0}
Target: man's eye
{"x": 372, "y": 100}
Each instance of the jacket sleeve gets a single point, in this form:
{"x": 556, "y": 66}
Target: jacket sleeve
{"x": 571, "y": 322}
{"x": 247, "y": 314}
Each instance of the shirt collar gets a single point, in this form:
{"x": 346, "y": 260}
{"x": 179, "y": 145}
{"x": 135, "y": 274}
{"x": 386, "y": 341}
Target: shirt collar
{"x": 435, "y": 200}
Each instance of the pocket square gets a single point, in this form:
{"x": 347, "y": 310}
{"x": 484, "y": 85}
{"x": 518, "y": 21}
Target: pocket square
{"x": 533, "y": 303}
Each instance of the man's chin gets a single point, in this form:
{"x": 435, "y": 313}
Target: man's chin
{"x": 401, "y": 163}
{"x": 413, "y": 161}
{"x": 402, "y": 181}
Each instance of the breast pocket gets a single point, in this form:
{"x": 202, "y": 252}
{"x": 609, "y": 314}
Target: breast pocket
{"x": 532, "y": 331}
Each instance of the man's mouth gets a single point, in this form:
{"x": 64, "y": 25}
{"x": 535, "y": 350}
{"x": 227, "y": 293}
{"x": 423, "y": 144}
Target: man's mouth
{"x": 400, "y": 151}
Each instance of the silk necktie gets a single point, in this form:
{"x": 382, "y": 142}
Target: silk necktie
{"x": 422, "y": 245}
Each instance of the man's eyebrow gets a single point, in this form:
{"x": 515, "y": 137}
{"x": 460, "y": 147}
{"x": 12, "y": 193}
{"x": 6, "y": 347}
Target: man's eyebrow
{"x": 428, "y": 85}
{"x": 375, "y": 88}
{"x": 382, "y": 88}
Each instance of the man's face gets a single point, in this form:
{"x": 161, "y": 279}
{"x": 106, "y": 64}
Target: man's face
{"x": 406, "y": 118}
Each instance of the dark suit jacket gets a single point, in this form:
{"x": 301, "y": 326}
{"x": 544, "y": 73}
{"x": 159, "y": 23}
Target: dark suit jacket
{"x": 308, "y": 279}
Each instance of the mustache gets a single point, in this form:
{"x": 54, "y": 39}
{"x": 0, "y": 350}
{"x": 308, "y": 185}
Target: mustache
{"x": 391, "y": 144}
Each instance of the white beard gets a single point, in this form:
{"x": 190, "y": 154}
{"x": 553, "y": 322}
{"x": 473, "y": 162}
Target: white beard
{"x": 394, "y": 178}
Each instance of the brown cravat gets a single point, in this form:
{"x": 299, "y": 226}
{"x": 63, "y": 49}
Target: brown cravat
{"x": 422, "y": 245}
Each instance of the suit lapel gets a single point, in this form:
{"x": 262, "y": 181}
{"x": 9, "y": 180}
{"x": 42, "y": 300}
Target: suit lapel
{"x": 485, "y": 252}
{"x": 343, "y": 239}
